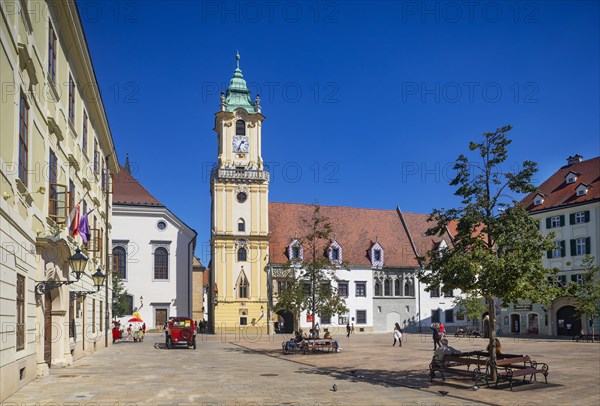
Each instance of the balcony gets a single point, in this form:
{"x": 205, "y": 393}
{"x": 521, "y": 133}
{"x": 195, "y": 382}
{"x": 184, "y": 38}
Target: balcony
{"x": 239, "y": 174}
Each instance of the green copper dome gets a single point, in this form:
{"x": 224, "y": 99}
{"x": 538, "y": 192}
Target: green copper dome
{"x": 237, "y": 94}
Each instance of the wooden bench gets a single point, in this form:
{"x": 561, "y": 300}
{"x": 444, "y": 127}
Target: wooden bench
{"x": 320, "y": 344}
{"x": 460, "y": 364}
{"x": 510, "y": 367}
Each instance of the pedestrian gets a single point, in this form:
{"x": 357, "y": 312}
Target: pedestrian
{"x": 397, "y": 335}
{"x": 436, "y": 336}
{"x": 348, "y": 330}
{"x": 442, "y": 330}
{"x": 352, "y": 328}
{"x": 317, "y": 330}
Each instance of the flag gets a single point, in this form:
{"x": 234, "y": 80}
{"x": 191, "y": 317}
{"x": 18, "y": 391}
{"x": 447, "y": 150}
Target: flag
{"x": 84, "y": 228}
{"x": 74, "y": 224}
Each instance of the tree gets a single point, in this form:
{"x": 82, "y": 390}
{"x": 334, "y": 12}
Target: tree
{"x": 497, "y": 250}
{"x": 119, "y": 297}
{"x": 471, "y": 305}
{"x": 587, "y": 295}
{"x": 307, "y": 284}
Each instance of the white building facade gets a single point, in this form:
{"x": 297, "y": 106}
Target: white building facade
{"x": 568, "y": 205}
{"x": 152, "y": 250}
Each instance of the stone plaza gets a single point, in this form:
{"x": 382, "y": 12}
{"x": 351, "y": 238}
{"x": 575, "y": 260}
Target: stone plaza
{"x": 237, "y": 370}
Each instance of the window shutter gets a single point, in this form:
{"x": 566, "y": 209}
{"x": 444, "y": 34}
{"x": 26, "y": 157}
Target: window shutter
{"x": 573, "y": 248}
{"x": 587, "y": 216}
{"x": 548, "y": 225}
{"x": 548, "y": 255}
{"x": 563, "y": 251}
{"x": 572, "y": 218}
{"x": 562, "y": 220}
{"x": 588, "y": 243}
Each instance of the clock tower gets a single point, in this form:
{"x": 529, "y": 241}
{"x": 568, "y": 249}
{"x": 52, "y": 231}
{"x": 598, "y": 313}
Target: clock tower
{"x": 239, "y": 215}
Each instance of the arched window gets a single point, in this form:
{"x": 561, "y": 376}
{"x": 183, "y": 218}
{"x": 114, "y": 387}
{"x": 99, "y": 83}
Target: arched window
{"x": 120, "y": 262}
{"x": 240, "y": 127}
{"x": 242, "y": 254}
{"x": 408, "y": 289}
{"x": 386, "y": 287}
{"x": 241, "y": 225}
{"x": 377, "y": 289}
{"x": 161, "y": 263}
{"x": 242, "y": 287}
{"x": 397, "y": 287}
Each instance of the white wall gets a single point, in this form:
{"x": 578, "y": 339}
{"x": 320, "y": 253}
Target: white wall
{"x": 135, "y": 228}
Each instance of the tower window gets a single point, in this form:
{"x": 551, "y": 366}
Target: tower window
{"x": 241, "y": 197}
{"x": 241, "y": 254}
{"x": 243, "y": 286}
{"x": 240, "y": 127}
{"x": 241, "y": 225}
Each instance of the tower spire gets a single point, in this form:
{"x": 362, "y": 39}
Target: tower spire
{"x": 237, "y": 94}
{"x": 127, "y": 166}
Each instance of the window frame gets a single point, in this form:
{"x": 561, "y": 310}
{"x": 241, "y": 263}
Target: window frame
{"x": 84, "y": 134}
{"x": 343, "y": 292}
{"x": 358, "y": 320}
{"x": 451, "y": 312}
{"x": 243, "y": 127}
{"x": 72, "y": 90}
{"x": 21, "y": 292}
{"x": 555, "y": 222}
{"x": 580, "y": 246}
{"x": 52, "y": 39}
{"x": 159, "y": 268}
{"x": 242, "y": 254}
{"x": 241, "y": 225}
{"x": 121, "y": 270}
{"x": 23, "y": 139}
{"x": 436, "y": 315}
{"x": 363, "y": 285}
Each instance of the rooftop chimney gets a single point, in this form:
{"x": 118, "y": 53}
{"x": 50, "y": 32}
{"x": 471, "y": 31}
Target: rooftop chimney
{"x": 574, "y": 159}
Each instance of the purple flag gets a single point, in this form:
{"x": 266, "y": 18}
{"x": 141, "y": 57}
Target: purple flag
{"x": 84, "y": 228}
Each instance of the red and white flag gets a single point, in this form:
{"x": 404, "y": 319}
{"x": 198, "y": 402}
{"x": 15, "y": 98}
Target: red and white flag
{"x": 74, "y": 226}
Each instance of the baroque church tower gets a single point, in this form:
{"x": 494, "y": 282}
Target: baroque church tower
{"x": 239, "y": 215}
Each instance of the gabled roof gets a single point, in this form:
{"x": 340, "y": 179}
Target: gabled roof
{"x": 558, "y": 193}
{"x": 128, "y": 191}
{"x": 356, "y": 229}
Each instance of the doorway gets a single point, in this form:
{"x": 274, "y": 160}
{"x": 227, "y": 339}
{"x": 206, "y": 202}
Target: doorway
{"x": 515, "y": 323}
{"x": 285, "y": 322}
{"x": 160, "y": 317}
{"x": 48, "y": 329}
{"x": 568, "y": 323}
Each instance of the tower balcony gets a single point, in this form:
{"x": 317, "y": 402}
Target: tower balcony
{"x": 239, "y": 174}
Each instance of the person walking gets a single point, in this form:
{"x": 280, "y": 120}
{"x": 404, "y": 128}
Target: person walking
{"x": 397, "y": 335}
{"x": 436, "y": 336}
{"x": 348, "y": 330}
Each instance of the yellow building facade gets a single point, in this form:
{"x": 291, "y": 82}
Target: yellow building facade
{"x": 240, "y": 219}
{"x": 56, "y": 150}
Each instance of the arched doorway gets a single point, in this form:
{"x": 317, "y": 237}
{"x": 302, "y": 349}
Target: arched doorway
{"x": 515, "y": 323}
{"x": 568, "y": 323}
{"x": 285, "y": 322}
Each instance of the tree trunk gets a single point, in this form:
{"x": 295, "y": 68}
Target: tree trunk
{"x": 492, "y": 345}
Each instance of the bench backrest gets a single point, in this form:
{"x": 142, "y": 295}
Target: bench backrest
{"x": 512, "y": 360}
{"x": 464, "y": 360}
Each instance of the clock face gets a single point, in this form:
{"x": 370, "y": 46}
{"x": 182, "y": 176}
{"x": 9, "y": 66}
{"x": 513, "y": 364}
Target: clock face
{"x": 240, "y": 143}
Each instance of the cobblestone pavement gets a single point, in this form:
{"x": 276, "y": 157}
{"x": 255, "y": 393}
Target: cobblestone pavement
{"x": 234, "y": 370}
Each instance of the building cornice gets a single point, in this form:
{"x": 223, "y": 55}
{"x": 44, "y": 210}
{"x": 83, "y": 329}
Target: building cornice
{"x": 563, "y": 206}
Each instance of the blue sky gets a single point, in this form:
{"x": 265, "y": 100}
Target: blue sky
{"x": 367, "y": 104}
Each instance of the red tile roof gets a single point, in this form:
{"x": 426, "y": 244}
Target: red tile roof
{"x": 127, "y": 190}
{"x": 355, "y": 229}
{"x": 559, "y": 194}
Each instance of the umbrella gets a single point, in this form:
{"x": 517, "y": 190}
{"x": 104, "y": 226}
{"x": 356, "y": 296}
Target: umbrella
{"x": 135, "y": 320}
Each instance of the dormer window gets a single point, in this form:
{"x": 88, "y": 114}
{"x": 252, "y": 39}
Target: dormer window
{"x": 571, "y": 177}
{"x": 582, "y": 189}
{"x": 538, "y": 199}
{"x": 295, "y": 251}
{"x": 335, "y": 252}
{"x": 377, "y": 255}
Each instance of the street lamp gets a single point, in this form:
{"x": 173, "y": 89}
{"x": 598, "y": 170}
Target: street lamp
{"x": 98, "y": 278}
{"x": 78, "y": 263}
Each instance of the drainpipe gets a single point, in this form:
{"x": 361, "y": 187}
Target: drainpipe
{"x": 106, "y": 257}
{"x": 190, "y": 277}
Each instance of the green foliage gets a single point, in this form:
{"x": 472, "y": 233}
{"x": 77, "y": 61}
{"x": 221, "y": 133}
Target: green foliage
{"x": 497, "y": 250}
{"x": 119, "y": 302}
{"x": 470, "y": 305}
{"x": 587, "y": 295}
{"x": 307, "y": 285}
